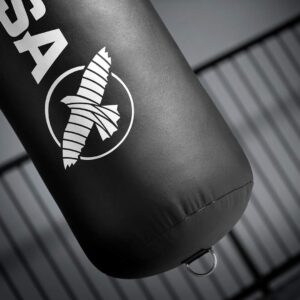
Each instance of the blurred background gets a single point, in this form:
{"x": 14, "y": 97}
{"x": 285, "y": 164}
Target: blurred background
{"x": 247, "y": 56}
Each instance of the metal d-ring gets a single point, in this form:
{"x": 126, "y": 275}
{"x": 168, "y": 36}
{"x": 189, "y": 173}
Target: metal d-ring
{"x": 211, "y": 270}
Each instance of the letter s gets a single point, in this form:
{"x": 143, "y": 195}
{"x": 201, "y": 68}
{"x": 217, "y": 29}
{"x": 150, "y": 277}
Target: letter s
{"x": 21, "y": 24}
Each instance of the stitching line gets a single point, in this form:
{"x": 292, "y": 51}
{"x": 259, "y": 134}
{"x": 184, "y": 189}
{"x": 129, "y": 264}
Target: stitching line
{"x": 130, "y": 260}
{"x": 197, "y": 211}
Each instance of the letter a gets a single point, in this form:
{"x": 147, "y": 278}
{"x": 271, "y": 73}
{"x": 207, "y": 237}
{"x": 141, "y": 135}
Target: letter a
{"x": 32, "y": 43}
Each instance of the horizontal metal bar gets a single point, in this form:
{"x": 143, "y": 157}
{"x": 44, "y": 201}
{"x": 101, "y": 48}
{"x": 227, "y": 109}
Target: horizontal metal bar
{"x": 211, "y": 62}
{"x": 13, "y": 163}
{"x": 269, "y": 277}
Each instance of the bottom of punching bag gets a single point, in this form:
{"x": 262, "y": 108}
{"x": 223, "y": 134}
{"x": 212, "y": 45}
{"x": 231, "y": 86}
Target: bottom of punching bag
{"x": 181, "y": 243}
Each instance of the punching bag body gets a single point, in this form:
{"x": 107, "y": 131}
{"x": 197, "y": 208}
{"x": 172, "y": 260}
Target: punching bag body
{"x": 139, "y": 160}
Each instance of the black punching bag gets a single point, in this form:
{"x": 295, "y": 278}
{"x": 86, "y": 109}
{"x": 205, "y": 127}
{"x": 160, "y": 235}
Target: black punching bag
{"x": 134, "y": 152}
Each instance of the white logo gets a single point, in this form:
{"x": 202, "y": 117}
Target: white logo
{"x": 88, "y": 110}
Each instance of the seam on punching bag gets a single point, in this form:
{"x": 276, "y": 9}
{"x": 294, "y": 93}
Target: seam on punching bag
{"x": 199, "y": 210}
{"x": 186, "y": 217}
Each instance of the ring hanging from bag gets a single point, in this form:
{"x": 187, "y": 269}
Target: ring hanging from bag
{"x": 197, "y": 256}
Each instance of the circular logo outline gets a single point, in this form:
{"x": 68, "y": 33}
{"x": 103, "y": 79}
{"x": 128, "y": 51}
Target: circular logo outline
{"x": 47, "y": 104}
